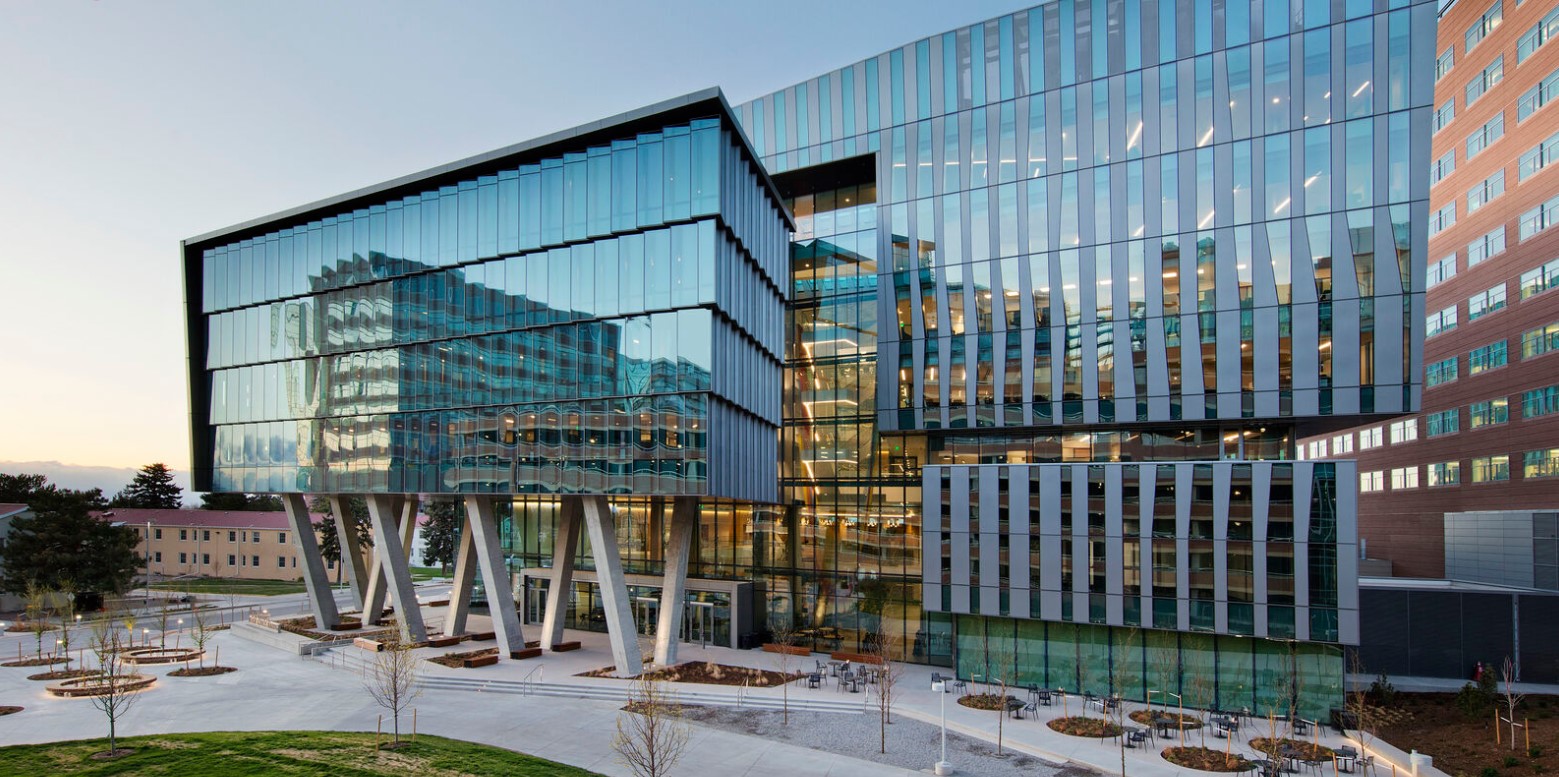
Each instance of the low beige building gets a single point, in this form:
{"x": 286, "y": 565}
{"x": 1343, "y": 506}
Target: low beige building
{"x": 214, "y": 543}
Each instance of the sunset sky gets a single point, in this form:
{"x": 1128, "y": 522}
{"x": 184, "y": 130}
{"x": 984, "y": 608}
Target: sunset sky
{"x": 128, "y": 126}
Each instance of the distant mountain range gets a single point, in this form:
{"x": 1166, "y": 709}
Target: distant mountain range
{"x": 82, "y": 476}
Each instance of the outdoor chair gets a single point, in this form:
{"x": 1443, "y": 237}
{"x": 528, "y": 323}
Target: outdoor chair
{"x": 814, "y": 680}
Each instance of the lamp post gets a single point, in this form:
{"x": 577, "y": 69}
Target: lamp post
{"x": 942, "y": 766}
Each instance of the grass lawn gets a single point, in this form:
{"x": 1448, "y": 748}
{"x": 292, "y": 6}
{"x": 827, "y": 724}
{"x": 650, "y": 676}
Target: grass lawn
{"x": 276, "y": 752}
{"x": 212, "y": 585}
{"x": 420, "y": 574}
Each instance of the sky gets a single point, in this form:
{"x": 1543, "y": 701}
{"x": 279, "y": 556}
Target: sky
{"x": 126, "y": 127}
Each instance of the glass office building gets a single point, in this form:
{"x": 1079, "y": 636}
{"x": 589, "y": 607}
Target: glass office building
{"x": 1064, "y": 287}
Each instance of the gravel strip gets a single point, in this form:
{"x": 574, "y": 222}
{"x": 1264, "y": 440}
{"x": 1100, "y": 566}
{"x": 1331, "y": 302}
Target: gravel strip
{"x": 912, "y": 744}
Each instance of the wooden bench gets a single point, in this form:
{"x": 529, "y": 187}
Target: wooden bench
{"x": 521, "y": 655}
{"x": 794, "y": 650}
{"x": 372, "y": 646}
{"x": 857, "y": 658}
{"x": 564, "y": 647}
{"x": 478, "y": 636}
{"x": 444, "y": 641}
{"x": 472, "y": 663}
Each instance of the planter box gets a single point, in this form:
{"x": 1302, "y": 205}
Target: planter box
{"x": 369, "y": 645}
{"x": 795, "y": 650}
{"x": 521, "y": 655}
{"x": 443, "y": 641}
{"x": 857, "y": 658}
{"x": 472, "y": 663}
{"x": 478, "y": 636}
{"x": 564, "y": 647}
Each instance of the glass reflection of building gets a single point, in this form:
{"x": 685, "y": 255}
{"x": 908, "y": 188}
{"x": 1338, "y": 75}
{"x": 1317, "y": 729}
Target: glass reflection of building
{"x": 1062, "y": 291}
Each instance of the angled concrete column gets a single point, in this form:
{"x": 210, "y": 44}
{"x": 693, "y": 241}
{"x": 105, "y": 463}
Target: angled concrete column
{"x": 495, "y": 575}
{"x": 460, "y": 590}
{"x": 373, "y": 595}
{"x": 350, "y": 545}
{"x": 668, "y": 632}
{"x": 565, "y": 546}
{"x": 614, "y": 588}
{"x": 321, "y": 599}
{"x": 391, "y": 553}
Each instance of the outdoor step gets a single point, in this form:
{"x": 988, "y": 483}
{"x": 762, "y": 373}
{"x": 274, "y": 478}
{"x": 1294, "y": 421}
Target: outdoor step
{"x": 606, "y": 693}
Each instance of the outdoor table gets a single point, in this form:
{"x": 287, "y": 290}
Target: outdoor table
{"x": 1165, "y": 725}
{"x": 1016, "y": 708}
{"x": 833, "y": 667}
{"x": 1345, "y": 761}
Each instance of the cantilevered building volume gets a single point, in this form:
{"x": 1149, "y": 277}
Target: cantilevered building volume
{"x": 1061, "y": 291}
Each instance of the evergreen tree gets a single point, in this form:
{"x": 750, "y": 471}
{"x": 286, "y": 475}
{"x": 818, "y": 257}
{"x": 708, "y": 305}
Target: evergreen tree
{"x": 241, "y": 502}
{"x": 64, "y": 547}
{"x": 153, "y": 487}
{"x": 329, "y": 541}
{"x": 441, "y": 533}
{"x": 24, "y": 489}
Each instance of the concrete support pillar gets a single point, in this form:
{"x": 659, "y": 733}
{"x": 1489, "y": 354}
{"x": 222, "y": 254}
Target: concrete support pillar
{"x": 321, "y": 599}
{"x": 668, "y": 632}
{"x": 495, "y": 575}
{"x": 460, "y": 590}
{"x": 565, "y": 546}
{"x": 614, "y": 587}
{"x": 390, "y": 551}
{"x": 373, "y": 597}
{"x": 351, "y": 547}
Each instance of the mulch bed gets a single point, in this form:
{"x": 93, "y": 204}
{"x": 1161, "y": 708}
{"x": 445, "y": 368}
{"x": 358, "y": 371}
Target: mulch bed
{"x": 63, "y": 674}
{"x": 1095, "y": 728}
{"x": 986, "y": 701}
{"x": 20, "y": 627}
{"x": 111, "y": 755}
{"x": 1206, "y": 759}
{"x": 9, "y": 710}
{"x": 709, "y": 673}
{"x": 1307, "y": 750}
{"x": 1187, "y": 722}
{"x": 457, "y": 660}
{"x": 37, "y": 662}
{"x": 202, "y": 671}
{"x": 1433, "y": 724}
{"x": 305, "y": 627}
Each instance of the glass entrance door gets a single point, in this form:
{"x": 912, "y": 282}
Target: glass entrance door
{"x": 646, "y": 614}
{"x": 697, "y": 622}
{"x": 536, "y": 601}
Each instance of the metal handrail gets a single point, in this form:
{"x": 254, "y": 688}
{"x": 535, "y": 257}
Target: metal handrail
{"x": 527, "y": 685}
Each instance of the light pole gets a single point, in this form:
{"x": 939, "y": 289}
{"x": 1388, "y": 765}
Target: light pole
{"x": 942, "y": 766}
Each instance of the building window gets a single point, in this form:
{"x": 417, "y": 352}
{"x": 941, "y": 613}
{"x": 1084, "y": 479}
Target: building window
{"x": 1444, "y": 62}
{"x": 1404, "y": 431}
{"x": 1489, "y": 357}
{"x": 157, "y": 533}
{"x": 205, "y": 535}
{"x": 1490, "y": 412}
{"x": 1539, "y": 218}
{"x": 183, "y": 534}
{"x": 1442, "y": 423}
{"x": 1371, "y": 482}
{"x": 205, "y": 558}
{"x": 1536, "y": 342}
{"x": 1444, "y": 114}
{"x": 1481, "y": 28}
{"x": 256, "y": 561}
{"x": 1491, "y": 469}
{"x": 183, "y": 558}
{"x": 1538, "y": 96}
{"x": 1341, "y": 444}
{"x": 1370, "y": 438}
{"x": 1533, "y": 39}
{"x": 157, "y": 556}
{"x": 1486, "y": 80}
{"x": 1404, "y": 478}
{"x": 1445, "y": 473}
{"x": 1442, "y": 219}
{"x": 232, "y": 560}
{"x": 281, "y": 562}
{"x": 232, "y": 536}
{"x": 1490, "y": 244}
{"x": 1443, "y": 371}
{"x": 1442, "y": 167}
{"x": 254, "y": 537}
{"x": 1541, "y": 156}
{"x": 1484, "y": 136}
{"x": 1441, "y": 271}
{"x": 1540, "y": 279}
{"x": 1540, "y": 464}
{"x": 1485, "y": 302}
{"x": 281, "y": 536}
{"x": 1318, "y": 449}
{"x": 1485, "y": 192}
{"x": 1443, "y": 321}
{"x": 1540, "y": 402}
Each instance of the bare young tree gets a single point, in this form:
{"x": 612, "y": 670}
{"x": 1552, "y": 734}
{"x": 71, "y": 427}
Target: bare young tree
{"x": 999, "y": 667}
{"x": 37, "y": 612}
{"x": 115, "y": 697}
{"x": 887, "y": 680}
{"x": 201, "y": 635}
{"x": 785, "y": 637}
{"x": 1119, "y": 674}
{"x": 651, "y": 735}
{"x": 1508, "y": 675}
{"x": 392, "y": 679}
